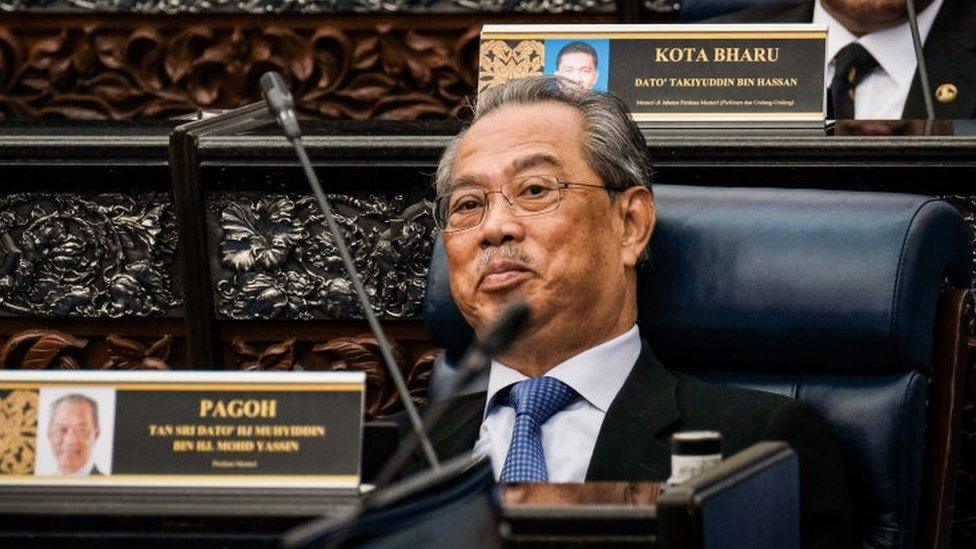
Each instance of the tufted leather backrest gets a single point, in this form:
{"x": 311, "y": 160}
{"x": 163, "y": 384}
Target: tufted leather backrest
{"x": 826, "y": 296}
{"x": 836, "y": 282}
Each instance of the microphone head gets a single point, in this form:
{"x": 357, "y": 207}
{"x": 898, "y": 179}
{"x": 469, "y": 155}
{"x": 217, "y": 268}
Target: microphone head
{"x": 275, "y": 90}
{"x": 501, "y": 333}
{"x": 281, "y": 105}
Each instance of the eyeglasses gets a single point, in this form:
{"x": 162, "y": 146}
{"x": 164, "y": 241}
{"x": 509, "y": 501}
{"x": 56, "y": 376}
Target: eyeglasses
{"x": 465, "y": 207}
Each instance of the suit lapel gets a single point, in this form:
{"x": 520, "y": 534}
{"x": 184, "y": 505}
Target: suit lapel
{"x": 802, "y": 13}
{"x": 627, "y": 447}
{"x": 950, "y": 56}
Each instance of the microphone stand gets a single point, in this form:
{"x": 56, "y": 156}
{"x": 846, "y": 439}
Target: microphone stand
{"x": 923, "y": 73}
{"x": 281, "y": 107}
{"x": 497, "y": 337}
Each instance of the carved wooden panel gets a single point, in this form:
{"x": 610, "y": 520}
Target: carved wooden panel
{"x": 345, "y": 353}
{"x": 41, "y": 347}
{"x": 132, "y": 69}
{"x": 88, "y": 255}
{"x": 278, "y": 260}
{"x": 44, "y": 348}
{"x": 321, "y": 6}
{"x": 128, "y": 68}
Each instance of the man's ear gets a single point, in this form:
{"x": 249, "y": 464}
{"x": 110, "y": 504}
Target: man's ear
{"x": 635, "y": 206}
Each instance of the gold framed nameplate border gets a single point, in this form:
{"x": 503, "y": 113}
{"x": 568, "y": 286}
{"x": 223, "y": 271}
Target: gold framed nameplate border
{"x": 764, "y": 74}
{"x": 229, "y": 429}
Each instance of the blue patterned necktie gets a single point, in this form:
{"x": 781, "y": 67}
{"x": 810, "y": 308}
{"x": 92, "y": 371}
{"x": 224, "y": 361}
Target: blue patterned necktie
{"x": 535, "y": 401}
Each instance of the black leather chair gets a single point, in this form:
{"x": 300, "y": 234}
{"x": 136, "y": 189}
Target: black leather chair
{"x": 849, "y": 301}
{"x": 696, "y": 11}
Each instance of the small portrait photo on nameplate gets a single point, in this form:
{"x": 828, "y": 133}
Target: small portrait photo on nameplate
{"x": 763, "y": 75}
{"x": 71, "y": 440}
{"x": 234, "y": 429}
{"x": 584, "y": 63}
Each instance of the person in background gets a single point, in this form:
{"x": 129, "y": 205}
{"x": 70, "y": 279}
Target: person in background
{"x": 871, "y": 70}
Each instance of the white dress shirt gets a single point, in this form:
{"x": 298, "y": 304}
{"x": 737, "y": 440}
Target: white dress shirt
{"x": 85, "y": 470}
{"x": 568, "y": 438}
{"x": 881, "y": 95}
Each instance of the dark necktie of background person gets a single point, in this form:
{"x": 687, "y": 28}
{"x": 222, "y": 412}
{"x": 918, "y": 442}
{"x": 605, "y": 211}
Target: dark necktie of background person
{"x": 535, "y": 401}
{"x": 851, "y": 64}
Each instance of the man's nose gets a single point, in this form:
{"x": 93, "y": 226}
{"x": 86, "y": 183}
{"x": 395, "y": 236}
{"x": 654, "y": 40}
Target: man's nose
{"x": 500, "y": 223}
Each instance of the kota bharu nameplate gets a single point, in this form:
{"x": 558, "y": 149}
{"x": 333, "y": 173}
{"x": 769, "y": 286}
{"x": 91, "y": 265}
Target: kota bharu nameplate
{"x": 255, "y": 429}
{"x": 756, "y": 74}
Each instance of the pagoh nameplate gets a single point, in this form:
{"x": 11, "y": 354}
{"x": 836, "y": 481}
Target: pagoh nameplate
{"x": 757, "y": 74}
{"x": 248, "y": 429}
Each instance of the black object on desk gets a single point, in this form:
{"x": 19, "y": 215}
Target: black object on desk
{"x": 748, "y": 500}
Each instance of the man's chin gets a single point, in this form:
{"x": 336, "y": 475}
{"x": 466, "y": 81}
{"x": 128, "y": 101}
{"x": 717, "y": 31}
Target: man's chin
{"x": 488, "y": 312}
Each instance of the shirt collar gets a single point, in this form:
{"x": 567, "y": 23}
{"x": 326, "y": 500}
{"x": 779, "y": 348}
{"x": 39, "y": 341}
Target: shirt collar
{"x": 85, "y": 470}
{"x": 891, "y": 47}
{"x": 597, "y": 374}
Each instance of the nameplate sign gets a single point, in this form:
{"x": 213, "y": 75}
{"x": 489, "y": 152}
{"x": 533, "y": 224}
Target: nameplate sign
{"x": 247, "y": 429}
{"x": 673, "y": 73}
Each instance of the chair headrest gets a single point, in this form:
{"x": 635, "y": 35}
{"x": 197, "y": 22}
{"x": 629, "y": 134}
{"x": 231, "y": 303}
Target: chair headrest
{"x": 767, "y": 279}
{"x": 444, "y": 321}
{"x": 810, "y": 280}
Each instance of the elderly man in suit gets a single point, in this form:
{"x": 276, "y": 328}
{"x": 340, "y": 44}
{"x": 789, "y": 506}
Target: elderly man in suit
{"x": 546, "y": 198}
{"x": 871, "y": 66}
{"x": 73, "y": 432}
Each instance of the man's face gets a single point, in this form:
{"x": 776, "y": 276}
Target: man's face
{"x": 72, "y": 433}
{"x": 568, "y": 264}
{"x": 866, "y": 16}
{"x": 578, "y": 67}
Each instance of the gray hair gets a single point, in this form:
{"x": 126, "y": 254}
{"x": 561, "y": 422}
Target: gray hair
{"x": 614, "y": 147}
{"x": 77, "y": 398}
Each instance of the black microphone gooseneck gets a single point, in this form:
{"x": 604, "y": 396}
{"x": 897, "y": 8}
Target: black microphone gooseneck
{"x": 923, "y": 73}
{"x": 282, "y": 108}
{"x": 495, "y": 339}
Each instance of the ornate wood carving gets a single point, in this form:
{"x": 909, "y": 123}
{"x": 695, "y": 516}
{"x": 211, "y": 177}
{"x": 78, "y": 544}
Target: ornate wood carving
{"x": 106, "y": 255}
{"x": 131, "y": 354}
{"x": 279, "y": 262}
{"x": 42, "y": 350}
{"x": 276, "y": 356}
{"x": 127, "y": 69}
{"x": 318, "y": 6}
{"x": 356, "y": 353}
{"x": 45, "y": 349}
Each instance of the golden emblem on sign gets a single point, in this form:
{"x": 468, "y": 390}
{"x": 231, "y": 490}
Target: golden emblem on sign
{"x": 946, "y": 93}
{"x": 18, "y": 431}
{"x": 500, "y": 62}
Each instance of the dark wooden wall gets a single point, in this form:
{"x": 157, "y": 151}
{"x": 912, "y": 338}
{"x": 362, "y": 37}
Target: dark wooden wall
{"x": 110, "y": 296}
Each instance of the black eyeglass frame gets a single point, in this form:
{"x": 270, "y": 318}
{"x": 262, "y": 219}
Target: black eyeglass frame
{"x": 441, "y": 224}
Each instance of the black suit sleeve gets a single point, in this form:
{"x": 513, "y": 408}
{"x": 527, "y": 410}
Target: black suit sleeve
{"x": 827, "y": 514}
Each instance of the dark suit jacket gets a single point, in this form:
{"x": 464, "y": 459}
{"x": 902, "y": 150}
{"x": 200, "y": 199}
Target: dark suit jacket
{"x": 653, "y": 403}
{"x": 950, "y": 52}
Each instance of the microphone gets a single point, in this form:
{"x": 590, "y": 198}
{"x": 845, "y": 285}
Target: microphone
{"x": 280, "y": 103}
{"x": 923, "y": 74}
{"x": 495, "y": 339}
{"x": 281, "y": 106}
